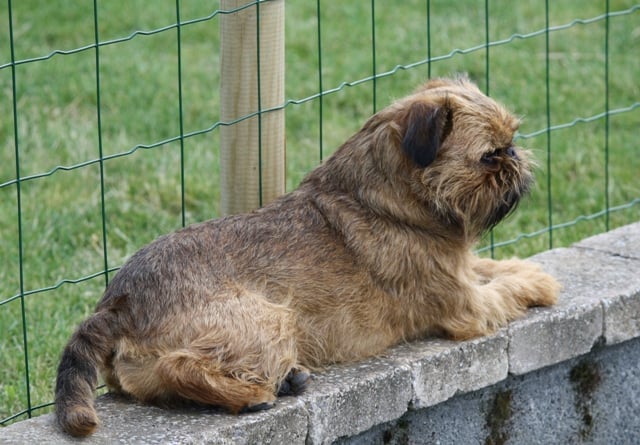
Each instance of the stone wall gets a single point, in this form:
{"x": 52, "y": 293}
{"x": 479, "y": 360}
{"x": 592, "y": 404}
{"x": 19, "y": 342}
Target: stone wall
{"x": 567, "y": 374}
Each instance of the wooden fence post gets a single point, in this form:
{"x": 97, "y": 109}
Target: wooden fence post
{"x": 252, "y": 79}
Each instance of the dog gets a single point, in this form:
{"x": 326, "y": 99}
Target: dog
{"x": 374, "y": 248}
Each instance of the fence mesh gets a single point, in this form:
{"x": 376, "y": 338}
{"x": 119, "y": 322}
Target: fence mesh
{"x": 109, "y": 125}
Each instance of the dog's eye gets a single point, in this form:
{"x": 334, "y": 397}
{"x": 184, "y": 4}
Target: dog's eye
{"x": 491, "y": 158}
{"x": 494, "y": 156}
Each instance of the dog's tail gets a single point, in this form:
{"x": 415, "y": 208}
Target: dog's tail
{"x": 88, "y": 349}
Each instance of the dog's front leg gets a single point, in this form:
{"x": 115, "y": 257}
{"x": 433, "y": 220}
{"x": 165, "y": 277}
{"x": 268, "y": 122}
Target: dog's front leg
{"x": 519, "y": 280}
{"x": 497, "y": 293}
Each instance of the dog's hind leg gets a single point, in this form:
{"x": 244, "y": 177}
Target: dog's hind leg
{"x": 239, "y": 353}
{"x": 191, "y": 375}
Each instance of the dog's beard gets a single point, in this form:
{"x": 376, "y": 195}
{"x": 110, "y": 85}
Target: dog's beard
{"x": 507, "y": 205}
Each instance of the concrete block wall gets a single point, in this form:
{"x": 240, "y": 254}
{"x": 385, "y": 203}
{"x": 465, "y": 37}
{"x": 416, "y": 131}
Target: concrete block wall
{"x": 566, "y": 374}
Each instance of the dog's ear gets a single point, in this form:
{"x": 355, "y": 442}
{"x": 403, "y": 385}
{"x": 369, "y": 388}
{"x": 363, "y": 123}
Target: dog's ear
{"x": 426, "y": 128}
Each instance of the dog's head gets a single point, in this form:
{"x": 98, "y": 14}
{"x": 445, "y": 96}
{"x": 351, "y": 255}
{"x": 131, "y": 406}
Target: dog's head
{"x": 442, "y": 158}
{"x": 458, "y": 147}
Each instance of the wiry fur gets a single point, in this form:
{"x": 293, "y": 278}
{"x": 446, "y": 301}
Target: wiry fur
{"x": 372, "y": 249}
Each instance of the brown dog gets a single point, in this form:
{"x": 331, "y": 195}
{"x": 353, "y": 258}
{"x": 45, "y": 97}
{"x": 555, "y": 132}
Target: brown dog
{"x": 371, "y": 250}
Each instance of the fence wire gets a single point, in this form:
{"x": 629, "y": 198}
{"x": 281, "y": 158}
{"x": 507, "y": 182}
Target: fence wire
{"x": 19, "y": 397}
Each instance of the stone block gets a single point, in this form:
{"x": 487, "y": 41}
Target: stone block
{"x": 443, "y": 368}
{"x": 123, "y": 421}
{"x": 347, "y": 400}
{"x": 546, "y": 336}
{"x": 609, "y": 276}
{"x": 622, "y": 318}
{"x": 622, "y": 312}
{"x": 624, "y": 241}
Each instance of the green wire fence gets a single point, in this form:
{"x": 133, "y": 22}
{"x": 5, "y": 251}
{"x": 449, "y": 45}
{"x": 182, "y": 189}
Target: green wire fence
{"x": 110, "y": 122}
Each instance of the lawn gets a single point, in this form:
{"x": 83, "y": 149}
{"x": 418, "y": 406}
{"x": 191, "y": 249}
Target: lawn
{"x": 587, "y": 163}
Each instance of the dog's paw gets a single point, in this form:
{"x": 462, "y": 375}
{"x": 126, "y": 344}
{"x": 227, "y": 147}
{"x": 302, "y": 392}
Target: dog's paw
{"x": 537, "y": 287}
{"x": 545, "y": 290}
{"x": 294, "y": 383}
{"x": 523, "y": 281}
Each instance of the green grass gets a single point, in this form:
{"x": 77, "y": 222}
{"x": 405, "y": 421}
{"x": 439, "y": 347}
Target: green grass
{"x": 61, "y": 214}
